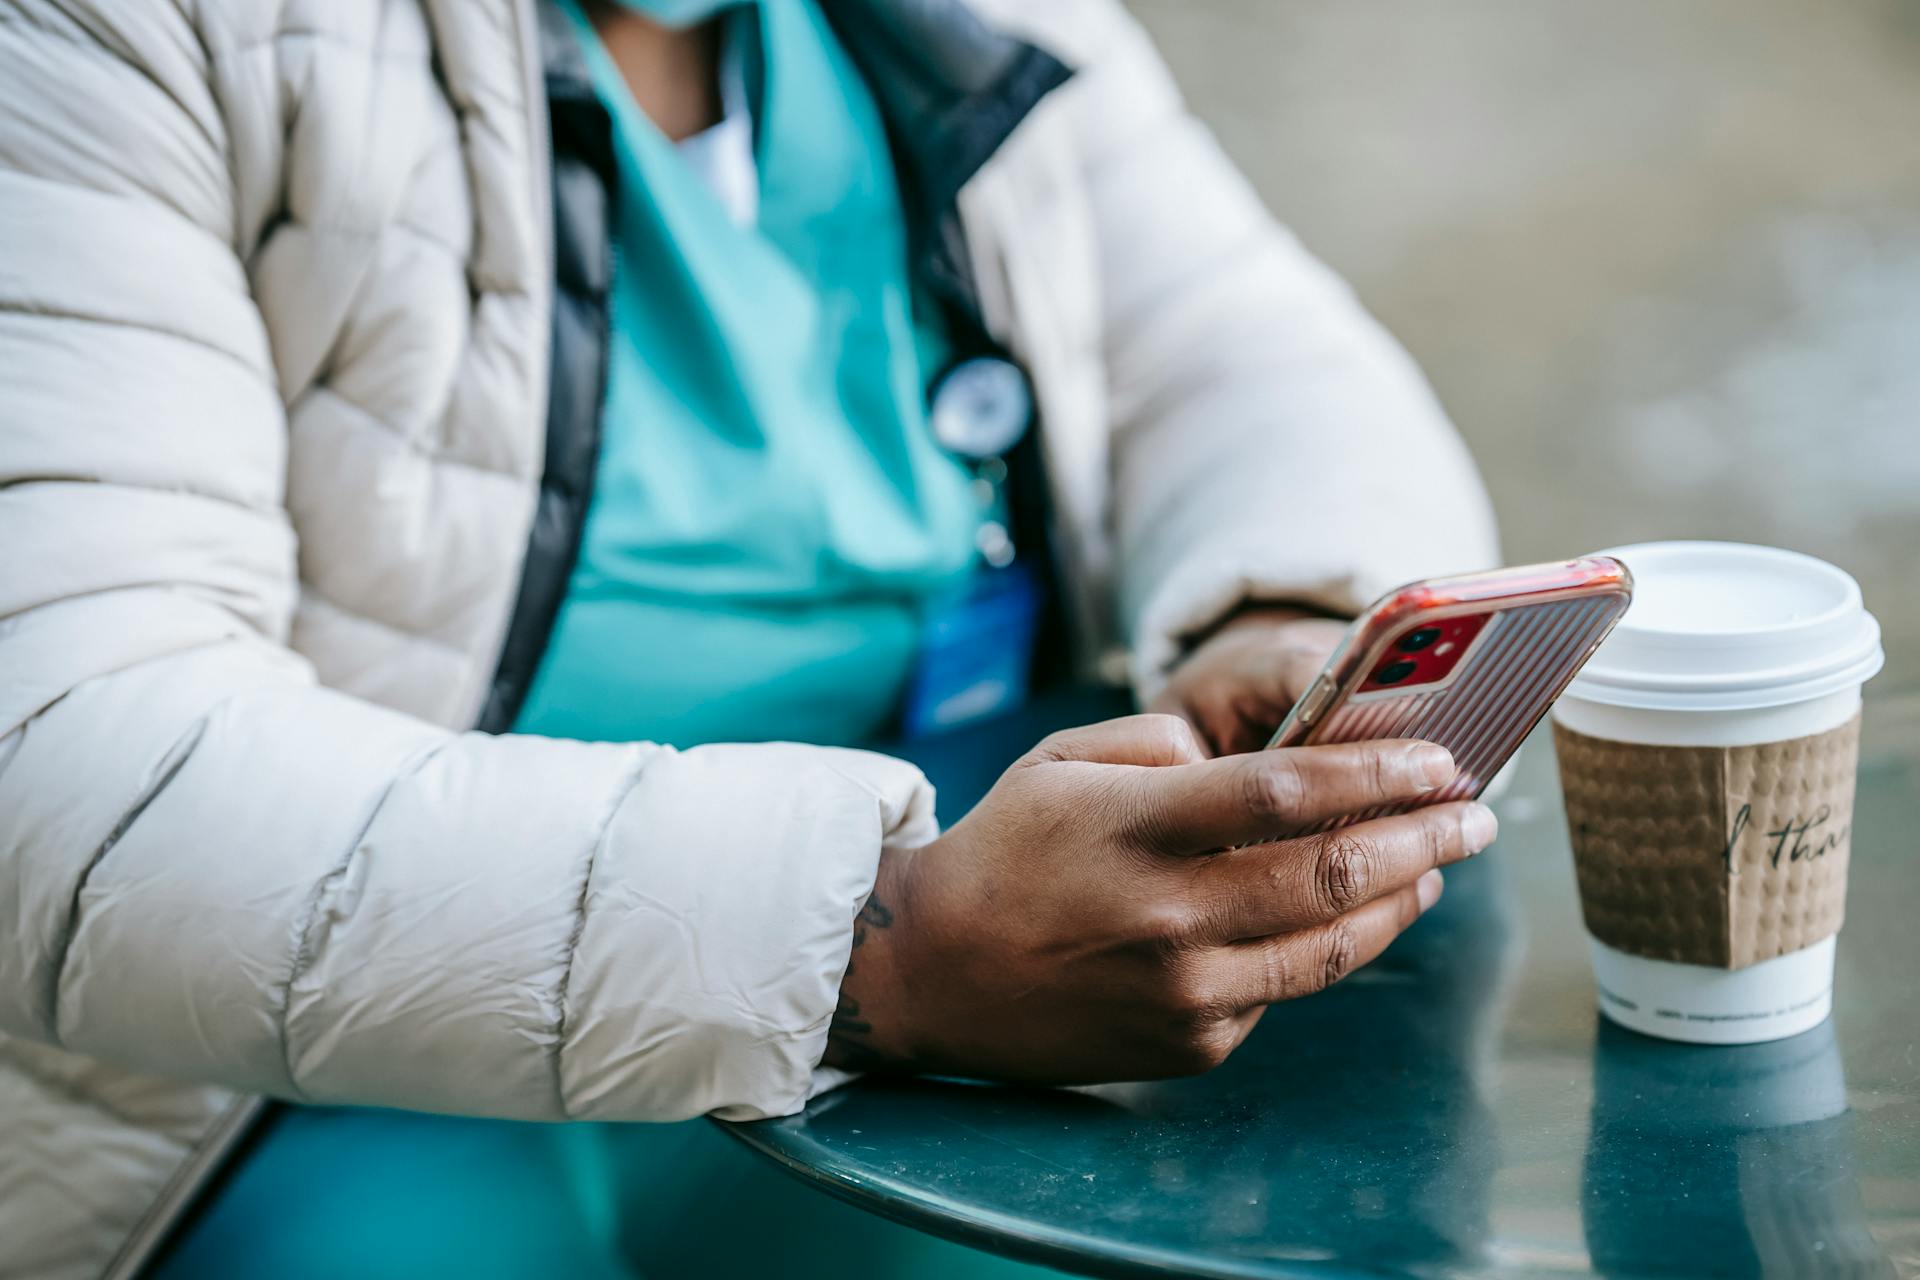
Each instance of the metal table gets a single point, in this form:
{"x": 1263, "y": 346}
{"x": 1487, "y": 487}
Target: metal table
{"x": 1456, "y": 1109}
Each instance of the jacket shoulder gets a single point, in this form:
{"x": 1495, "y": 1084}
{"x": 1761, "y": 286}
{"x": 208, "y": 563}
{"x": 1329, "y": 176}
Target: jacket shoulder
{"x": 1084, "y": 34}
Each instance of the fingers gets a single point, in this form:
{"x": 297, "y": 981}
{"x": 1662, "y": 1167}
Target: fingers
{"x": 1157, "y": 740}
{"x": 1304, "y": 883}
{"x": 1246, "y": 798}
{"x": 1269, "y": 970}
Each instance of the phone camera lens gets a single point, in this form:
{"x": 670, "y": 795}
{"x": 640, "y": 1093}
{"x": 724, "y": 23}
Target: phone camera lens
{"x": 1395, "y": 672}
{"x": 1414, "y": 641}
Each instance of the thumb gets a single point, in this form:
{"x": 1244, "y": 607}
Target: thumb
{"x": 1151, "y": 739}
{"x": 1297, "y": 660}
{"x": 1298, "y": 668}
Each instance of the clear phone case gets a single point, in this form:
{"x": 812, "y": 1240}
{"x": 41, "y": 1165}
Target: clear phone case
{"x": 1470, "y": 663}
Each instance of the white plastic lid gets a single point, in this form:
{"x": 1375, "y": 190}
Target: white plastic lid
{"x": 1727, "y": 626}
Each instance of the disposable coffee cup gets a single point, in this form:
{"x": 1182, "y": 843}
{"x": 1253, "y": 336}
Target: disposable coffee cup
{"x": 1707, "y": 756}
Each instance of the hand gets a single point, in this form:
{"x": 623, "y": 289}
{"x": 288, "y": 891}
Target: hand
{"x": 1101, "y": 914}
{"x": 1239, "y": 683}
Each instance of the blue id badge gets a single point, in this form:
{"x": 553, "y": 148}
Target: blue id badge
{"x": 976, "y": 645}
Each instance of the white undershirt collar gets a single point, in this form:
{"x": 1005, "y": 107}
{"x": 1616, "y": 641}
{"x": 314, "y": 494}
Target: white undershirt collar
{"x": 721, "y": 155}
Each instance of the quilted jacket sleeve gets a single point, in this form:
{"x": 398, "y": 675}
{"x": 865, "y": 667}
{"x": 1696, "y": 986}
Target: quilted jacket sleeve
{"x": 213, "y": 868}
{"x": 1270, "y": 441}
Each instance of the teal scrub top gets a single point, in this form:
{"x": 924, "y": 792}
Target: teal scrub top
{"x": 770, "y": 509}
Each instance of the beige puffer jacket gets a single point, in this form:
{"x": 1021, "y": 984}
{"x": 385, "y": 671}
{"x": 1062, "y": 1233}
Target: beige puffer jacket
{"x": 274, "y": 291}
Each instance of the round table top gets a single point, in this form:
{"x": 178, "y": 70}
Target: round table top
{"x": 1455, "y": 1109}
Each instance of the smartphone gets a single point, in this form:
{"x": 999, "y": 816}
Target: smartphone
{"x": 1470, "y": 663}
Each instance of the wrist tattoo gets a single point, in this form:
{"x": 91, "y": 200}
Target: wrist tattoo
{"x": 849, "y": 1037}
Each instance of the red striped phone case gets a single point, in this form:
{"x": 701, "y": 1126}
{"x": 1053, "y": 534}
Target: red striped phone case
{"x": 1471, "y": 663}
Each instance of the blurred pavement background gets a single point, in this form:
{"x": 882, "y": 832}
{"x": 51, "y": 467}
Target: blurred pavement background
{"x": 1662, "y": 261}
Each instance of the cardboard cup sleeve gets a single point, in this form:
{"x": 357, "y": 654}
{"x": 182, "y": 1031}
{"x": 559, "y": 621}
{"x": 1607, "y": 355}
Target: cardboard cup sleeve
{"x": 1716, "y": 856}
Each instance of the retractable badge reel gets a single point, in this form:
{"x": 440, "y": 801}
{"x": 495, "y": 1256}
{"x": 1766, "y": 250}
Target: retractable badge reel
{"x": 976, "y": 643}
{"x": 980, "y": 408}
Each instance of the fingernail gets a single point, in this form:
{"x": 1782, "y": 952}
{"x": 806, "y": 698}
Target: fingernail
{"x": 1478, "y": 827}
{"x": 1428, "y": 888}
{"x": 1432, "y": 767}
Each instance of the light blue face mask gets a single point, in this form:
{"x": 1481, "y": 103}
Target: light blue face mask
{"x": 676, "y": 13}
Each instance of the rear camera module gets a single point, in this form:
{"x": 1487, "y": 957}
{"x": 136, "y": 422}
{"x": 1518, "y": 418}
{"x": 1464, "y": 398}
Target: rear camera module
{"x": 1414, "y": 641}
{"x": 1395, "y": 672}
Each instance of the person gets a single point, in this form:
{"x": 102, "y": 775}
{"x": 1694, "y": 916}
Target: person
{"x": 469, "y": 473}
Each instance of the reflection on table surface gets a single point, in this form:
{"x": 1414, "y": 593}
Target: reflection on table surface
{"x": 1455, "y": 1109}
{"x": 1713, "y": 1161}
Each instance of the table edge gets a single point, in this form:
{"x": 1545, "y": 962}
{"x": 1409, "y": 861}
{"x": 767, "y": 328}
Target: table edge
{"x": 1006, "y": 1235}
